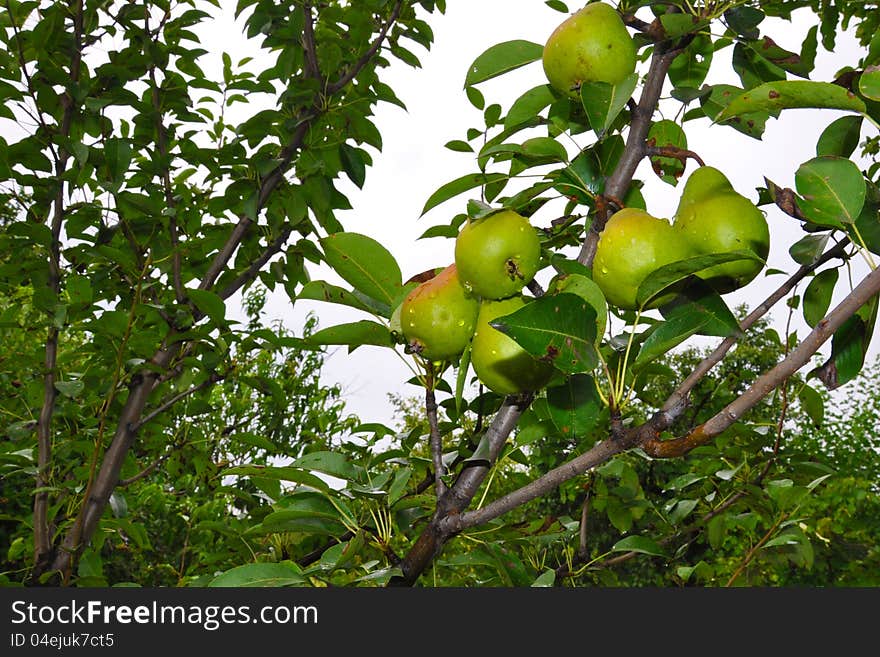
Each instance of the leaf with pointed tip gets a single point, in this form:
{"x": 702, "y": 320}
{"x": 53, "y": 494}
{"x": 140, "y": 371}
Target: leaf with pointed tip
{"x": 776, "y": 96}
{"x": 833, "y": 190}
{"x": 603, "y": 102}
{"x": 639, "y": 544}
{"x": 700, "y": 299}
{"x": 574, "y": 407}
{"x": 671, "y": 333}
{"x": 817, "y": 296}
{"x": 365, "y": 264}
{"x": 354, "y": 334}
{"x": 502, "y": 58}
{"x": 676, "y": 272}
{"x": 559, "y": 329}
{"x": 460, "y": 185}
{"x": 260, "y": 574}
{"x": 323, "y": 291}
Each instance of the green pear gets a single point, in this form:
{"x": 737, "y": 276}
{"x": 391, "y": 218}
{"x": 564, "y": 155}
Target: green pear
{"x": 498, "y": 361}
{"x": 591, "y": 45}
{"x": 438, "y": 317}
{"x": 497, "y": 255}
{"x": 632, "y": 246}
{"x": 714, "y": 218}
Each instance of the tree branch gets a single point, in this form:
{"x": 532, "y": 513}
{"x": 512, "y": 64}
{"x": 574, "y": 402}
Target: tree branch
{"x": 435, "y": 439}
{"x": 358, "y": 66}
{"x": 636, "y": 147}
{"x": 799, "y": 357}
{"x": 42, "y": 536}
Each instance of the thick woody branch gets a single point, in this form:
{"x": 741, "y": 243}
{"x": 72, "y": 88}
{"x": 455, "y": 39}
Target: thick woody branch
{"x": 636, "y": 147}
{"x": 42, "y": 534}
{"x": 769, "y": 381}
{"x": 310, "y": 50}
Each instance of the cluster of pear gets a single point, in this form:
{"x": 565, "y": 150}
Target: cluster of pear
{"x": 712, "y": 218}
{"x": 496, "y": 256}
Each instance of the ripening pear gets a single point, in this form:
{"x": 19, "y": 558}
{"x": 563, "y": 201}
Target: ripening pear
{"x": 497, "y": 255}
{"x": 499, "y": 362}
{"x": 437, "y": 317}
{"x": 714, "y": 218}
{"x": 591, "y": 45}
{"x": 633, "y": 245}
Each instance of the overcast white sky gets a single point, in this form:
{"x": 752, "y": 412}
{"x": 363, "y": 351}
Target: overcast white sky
{"x": 414, "y": 163}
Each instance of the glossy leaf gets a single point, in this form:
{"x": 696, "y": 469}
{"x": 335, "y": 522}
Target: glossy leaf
{"x": 841, "y": 137}
{"x": 527, "y": 106}
{"x": 365, "y": 264}
{"x": 699, "y": 299}
{"x": 773, "y": 97}
{"x": 323, "y": 291}
{"x": 502, "y": 58}
{"x": 669, "y": 334}
{"x": 575, "y": 407}
{"x": 459, "y": 186}
{"x": 603, "y": 102}
{"x": 353, "y": 334}
{"x": 869, "y": 83}
{"x": 560, "y": 329}
{"x": 817, "y": 296}
{"x": 833, "y": 190}
{"x": 663, "y": 134}
{"x": 676, "y": 272}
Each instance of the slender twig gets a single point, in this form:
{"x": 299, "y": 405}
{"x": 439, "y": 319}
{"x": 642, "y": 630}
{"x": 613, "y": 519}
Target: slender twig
{"x": 171, "y": 401}
{"x": 358, "y": 66}
{"x": 436, "y": 439}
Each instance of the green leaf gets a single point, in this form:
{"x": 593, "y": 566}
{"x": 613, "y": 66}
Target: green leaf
{"x": 354, "y": 334}
{"x": 690, "y": 68}
{"x": 559, "y": 329}
{"x": 117, "y": 157}
{"x": 833, "y": 190}
{"x": 698, "y": 298}
{"x": 210, "y": 304}
{"x": 669, "y": 334}
{"x": 502, "y": 58}
{"x": 461, "y": 185}
{"x": 817, "y": 296}
{"x": 526, "y": 107}
{"x": 397, "y": 489}
{"x": 323, "y": 291}
{"x": 544, "y": 147}
{"x": 69, "y": 388}
{"x": 849, "y": 346}
{"x": 281, "y": 473}
{"x": 365, "y": 264}
{"x": 547, "y": 578}
{"x": 331, "y": 463}
{"x": 603, "y": 102}
{"x": 841, "y": 137}
{"x": 639, "y": 544}
{"x": 869, "y": 83}
{"x": 813, "y": 404}
{"x": 260, "y": 574}
{"x": 808, "y": 249}
{"x": 666, "y": 133}
{"x": 676, "y": 272}
{"x": 575, "y": 407}
{"x": 773, "y": 97}
{"x": 719, "y": 99}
